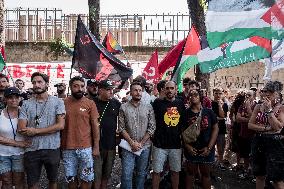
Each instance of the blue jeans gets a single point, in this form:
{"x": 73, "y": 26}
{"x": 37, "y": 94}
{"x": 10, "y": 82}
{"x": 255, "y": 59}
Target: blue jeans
{"x": 128, "y": 162}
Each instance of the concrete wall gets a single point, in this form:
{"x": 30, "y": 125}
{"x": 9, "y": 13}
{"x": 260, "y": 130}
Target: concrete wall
{"x": 235, "y": 78}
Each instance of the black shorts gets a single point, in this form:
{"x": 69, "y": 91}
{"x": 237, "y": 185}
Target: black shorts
{"x": 258, "y": 156}
{"x": 275, "y": 158}
{"x": 235, "y": 138}
{"x": 244, "y": 147}
{"x": 268, "y": 157}
{"x": 33, "y": 162}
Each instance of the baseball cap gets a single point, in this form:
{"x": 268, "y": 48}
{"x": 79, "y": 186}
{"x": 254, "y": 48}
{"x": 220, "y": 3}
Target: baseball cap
{"x": 12, "y": 91}
{"x": 92, "y": 82}
{"x": 105, "y": 84}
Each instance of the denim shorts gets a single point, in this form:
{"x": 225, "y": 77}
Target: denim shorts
{"x": 161, "y": 155}
{"x": 11, "y": 163}
{"x": 78, "y": 161}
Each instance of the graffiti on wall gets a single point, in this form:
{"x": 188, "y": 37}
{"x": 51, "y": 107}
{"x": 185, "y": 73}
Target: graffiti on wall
{"x": 235, "y": 82}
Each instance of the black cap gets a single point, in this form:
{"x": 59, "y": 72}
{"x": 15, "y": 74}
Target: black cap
{"x": 12, "y": 91}
{"x": 59, "y": 84}
{"x": 92, "y": 82}
{"x": 105, "y": 84}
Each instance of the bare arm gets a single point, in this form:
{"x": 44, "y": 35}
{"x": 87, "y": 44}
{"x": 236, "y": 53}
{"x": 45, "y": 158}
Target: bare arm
{"x": 277, "y": 123}
{"x": 30, "y": 131}
{"x": 241, "y": 119}
{"x": 214, "y": 134}
{"x": 11, "y": 142}
{"x": 96, "y": 136}
{"x": 221, "y": 111}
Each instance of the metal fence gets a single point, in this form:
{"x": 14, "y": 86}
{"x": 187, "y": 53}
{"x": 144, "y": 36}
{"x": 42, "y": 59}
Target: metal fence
{"x": 36, "y": 25}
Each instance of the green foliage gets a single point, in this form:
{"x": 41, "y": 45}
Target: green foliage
{"x": 59, "y": 47}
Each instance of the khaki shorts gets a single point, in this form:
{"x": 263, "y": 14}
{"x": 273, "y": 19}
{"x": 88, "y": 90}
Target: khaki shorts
{"x": 161, "y": 155}
{"x": 103, "y": 164}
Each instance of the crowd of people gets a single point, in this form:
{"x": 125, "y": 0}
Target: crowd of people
{"x": 156, "y": 128}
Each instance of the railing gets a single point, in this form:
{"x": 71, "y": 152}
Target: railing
{"x": 36, "y": 25}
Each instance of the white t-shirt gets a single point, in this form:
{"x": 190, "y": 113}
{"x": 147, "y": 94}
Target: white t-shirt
{"x": 6, "y": 130}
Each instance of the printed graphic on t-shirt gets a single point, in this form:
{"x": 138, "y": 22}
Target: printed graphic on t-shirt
{"x": 171, "y": 117}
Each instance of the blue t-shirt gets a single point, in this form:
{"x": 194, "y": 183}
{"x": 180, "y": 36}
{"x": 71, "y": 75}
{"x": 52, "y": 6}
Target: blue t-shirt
{"x": 47, "y": 113}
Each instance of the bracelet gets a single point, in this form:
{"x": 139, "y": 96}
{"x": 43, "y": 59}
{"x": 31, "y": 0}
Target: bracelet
{"x": 209, "y": 148}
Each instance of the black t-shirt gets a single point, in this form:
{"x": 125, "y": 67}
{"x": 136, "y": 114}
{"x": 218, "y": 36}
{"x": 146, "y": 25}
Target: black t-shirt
{"x": 169, "y": 122}
{"x": 108, "y": 122}
{"x": 208, "y": 119}
{"x": 221, "y": 123}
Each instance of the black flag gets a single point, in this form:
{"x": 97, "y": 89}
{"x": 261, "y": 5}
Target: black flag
{"x": 93, "y": 61}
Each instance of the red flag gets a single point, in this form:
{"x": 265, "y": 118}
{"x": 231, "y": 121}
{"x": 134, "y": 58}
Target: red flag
{"x": 171, "y": 58}
{"x": 151, "y": 71}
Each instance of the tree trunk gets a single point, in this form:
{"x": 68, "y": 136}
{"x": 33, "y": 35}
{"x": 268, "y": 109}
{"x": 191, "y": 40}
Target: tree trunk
{"x": 2, "y": 25}
{"x": 198, "y": 20}
{"x": 94, "y": 17}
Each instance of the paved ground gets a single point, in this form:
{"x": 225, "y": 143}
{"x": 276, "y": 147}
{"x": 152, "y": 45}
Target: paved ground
{"x": 227, "y": 179}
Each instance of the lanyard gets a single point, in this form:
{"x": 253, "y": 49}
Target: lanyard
{"x": 101, "y": 117}
{"x": 14, "y": 132}
{"x": 37, "y": 117}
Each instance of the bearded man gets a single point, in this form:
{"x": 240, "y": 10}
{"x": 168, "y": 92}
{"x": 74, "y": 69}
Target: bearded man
{"x": 80, "y": 138}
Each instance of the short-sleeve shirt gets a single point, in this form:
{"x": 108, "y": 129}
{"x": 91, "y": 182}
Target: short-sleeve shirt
{"x": 221, "y": 123}
{"x": 169, "y": 122}
{"x": 108, "y": 111}
{"x": 77, "y": 133}
{"x": 208, "y": 119}
{"x": 47, "y": 112}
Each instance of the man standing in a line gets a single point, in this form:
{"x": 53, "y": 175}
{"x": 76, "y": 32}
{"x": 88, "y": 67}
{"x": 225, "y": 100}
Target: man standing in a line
{"x": 108, "y": 108}
{"x": 80, "y": 138}
{"x": 169, "y": 113}
{"x": 41, "y": 119}
{"x": 136, "y": 124}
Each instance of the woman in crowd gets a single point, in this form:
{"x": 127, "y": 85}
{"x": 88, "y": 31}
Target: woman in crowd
{"x": 11, "y": 143}
{"x": 239, "y": 99}
{"x": 245, "y": 135}
{"x": 201, "y": 153}
{"x": 268, "y": 145}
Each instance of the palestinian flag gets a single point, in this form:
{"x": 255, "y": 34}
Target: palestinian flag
{"x": 234, "y": 20}
{"x": 2, "y": 58}
{"x": 188, "y": 59}
{"x": 111, "y": 44}
{"x": 167, "y": 65}
{"x": 233, "y": 53}
{"x": 93, "y": 61}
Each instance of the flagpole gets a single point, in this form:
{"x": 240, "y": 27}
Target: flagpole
{"x": 10, "y": 76}
{"x": 69, "y": 79}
